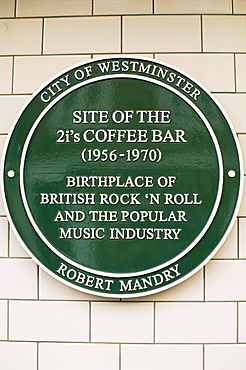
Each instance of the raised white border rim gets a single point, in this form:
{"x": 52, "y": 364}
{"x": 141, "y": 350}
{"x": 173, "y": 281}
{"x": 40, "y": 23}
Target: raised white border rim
{"x": 177, "y": 281}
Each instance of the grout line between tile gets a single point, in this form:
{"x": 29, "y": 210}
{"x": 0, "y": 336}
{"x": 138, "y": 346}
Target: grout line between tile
{"x": 121, "y": 34}
{"x": 15, "y": 9}
{"x": 38, "y": 282}
{"x": 235, "y": 72}
{"x": 8, "y": 240}
{"x": 119, "y": 356}
{"x": 201, "y": 34}
{"x": 204, "y": 284}
{"x": 137, "y": 53}
{"x": 13, "y": 75}
{"x": 178, "y": 15}
{"x": 42, "y": 38}
{"x": 37, "y": 356}
{"x": 237, "y": 324}
{"x": 203, "y": 357}
{"x": 8, "y": 320}
{"x": 89, "y": 321}
{"x": 154, "y": 322}
{"x": 238, "y": 247}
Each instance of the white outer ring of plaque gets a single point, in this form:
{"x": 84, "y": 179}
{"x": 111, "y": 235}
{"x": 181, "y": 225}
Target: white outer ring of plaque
{"x": 142, "y": 272}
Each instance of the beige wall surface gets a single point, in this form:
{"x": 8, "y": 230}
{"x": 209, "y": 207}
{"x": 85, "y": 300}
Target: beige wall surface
{"x": 201, "y": 323}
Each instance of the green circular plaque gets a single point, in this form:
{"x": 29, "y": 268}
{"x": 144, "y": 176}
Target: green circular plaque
{"x": 122, "y": 176}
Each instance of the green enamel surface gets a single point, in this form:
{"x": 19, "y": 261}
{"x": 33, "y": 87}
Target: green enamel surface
{"x": 142, "y": 262}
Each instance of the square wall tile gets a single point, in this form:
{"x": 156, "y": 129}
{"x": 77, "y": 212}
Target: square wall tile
{"x": 10, "y": 107}
{"x": 219, "y": 283}
{"x": 191, "y": 6}
{"x": 20, "y": 36}
{"x": 6, "y": 75}
{"x": 175, "y": 357}
{"x": 3, "y": 237}
{"x": 15, "y": 248}
{"x": 2, "y": 142}
{"x": 158, "y": 34}
{"x": 102, "y": 7}
{"x": 21, "y": 356}
{"x": 64, "y": 356}
{"x": 242, "y": 322}
{"x": 240, "y": 72}
{"x": 122, "y": 322}
{"x": 242, "y": 142}
{"x": 235, "y": 106}
{"x": 77, "y": 35}
{"x": 229, "y": 247}
{"x": 49, "y": 321}
{"x": 2, "y": 209}
{"x": 136, "y": 55}
{"x": 239, "y": 6}
{"x": 196, "y": 322}
{"x": 214, "y": 71}
{"x": 242, "y": 238}
{"x": 242, "y": 209}
{"x": 7, "y": 8}
{"x": 224, "y": 33}
{"x": 3, "y": 320}
{"x": 27, "y": 80}
{"x": 225, "y": 357}
{"x": 37, "y": 8}
{"x": 22, "y": 279}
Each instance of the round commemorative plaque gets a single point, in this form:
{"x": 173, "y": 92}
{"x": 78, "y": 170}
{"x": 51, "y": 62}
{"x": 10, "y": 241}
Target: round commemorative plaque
{"x": 122, "y": 176}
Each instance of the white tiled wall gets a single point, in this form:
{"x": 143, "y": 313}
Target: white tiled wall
{"x": 201, "y": 323}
